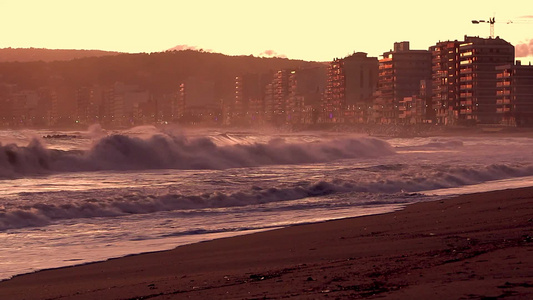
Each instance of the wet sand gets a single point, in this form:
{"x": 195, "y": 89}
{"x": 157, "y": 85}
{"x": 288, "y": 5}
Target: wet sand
{"x": 471, "y": 247}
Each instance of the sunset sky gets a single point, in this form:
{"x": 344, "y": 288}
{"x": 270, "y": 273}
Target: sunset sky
{"x": 308, "y": 30}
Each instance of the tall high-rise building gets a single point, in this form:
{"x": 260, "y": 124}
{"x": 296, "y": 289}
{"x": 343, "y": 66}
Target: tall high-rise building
{"x": 276, "y": 94}
{"x": 445, "y": 81}
{"x": 107, "y": 114}
{"x": 351, "y": 84}
{"x": 280, "y": 89}
{"x": 87, "y": 108}
{"x": 514, "y": 95}
{"x": 47, "y": 99}
{"x": 479, "y": 58}
{"x": 306, "y": 86}
{"x": 181, "y": 100}
{"x": 248, "y": 106}
{"x": 335, "y": 99}
{"x": 400, "y": 73}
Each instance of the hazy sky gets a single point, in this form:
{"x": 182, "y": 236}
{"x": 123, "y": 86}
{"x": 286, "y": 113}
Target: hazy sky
{"x": 309, "y": 30}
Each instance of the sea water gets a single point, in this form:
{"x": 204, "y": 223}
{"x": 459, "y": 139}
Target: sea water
{"x": 80, "y": 196}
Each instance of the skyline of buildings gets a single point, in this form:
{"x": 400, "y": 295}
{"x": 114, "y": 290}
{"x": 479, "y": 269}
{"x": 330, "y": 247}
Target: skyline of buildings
{"x": 467, "y": 82}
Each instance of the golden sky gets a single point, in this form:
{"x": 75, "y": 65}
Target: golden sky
{"x": 309, "y": 30}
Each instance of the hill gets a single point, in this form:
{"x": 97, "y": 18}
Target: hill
{"x": 47, "y": 55}
{"x": 158, "y": 73}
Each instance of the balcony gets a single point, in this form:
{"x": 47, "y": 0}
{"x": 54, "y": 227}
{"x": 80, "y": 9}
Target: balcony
{"x": 503, "y": 75}
{"x": 503, "y": 110}
{"x": 503, "y": 83}
{"x": 503, "y": 93}
{"x": 504, "y": 101}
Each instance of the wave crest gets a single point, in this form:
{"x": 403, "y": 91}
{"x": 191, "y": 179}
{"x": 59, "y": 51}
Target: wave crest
{"x": 160, "y": 151}
{"x": 45, "y": 209}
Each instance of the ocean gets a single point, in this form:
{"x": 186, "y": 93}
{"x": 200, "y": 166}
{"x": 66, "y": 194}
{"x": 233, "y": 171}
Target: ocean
{"x": 72, "y": 197}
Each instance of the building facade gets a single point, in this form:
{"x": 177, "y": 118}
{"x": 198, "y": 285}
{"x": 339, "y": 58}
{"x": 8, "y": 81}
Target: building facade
{"x": 351, "y": 83}
{"x": 249, "y": 105}
{"x": 445, "y": 67}
{"x": 479, "y": 58}
{"x": 514, "y": 95}
{"x": 400, "y": 72}
{"x": 306, "y": 87}
{"x": 334, "y": 98}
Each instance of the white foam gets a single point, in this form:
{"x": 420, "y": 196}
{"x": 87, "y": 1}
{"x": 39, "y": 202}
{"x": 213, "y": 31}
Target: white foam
{"x": 161, "y": 151}
{"x": 89, "y": 204}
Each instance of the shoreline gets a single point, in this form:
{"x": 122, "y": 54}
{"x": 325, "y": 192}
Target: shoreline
{"x": 438, "y": 249}
{"x": 208, "y": 237}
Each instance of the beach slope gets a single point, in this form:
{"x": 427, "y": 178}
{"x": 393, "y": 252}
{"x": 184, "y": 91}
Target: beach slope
{"x": 470, "y": 247}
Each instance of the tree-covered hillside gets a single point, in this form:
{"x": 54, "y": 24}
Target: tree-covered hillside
{"x": 160, "y": 72}
{"x": 47, "y": 55}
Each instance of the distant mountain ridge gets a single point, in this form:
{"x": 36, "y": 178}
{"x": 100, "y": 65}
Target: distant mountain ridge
{"x": 48, "y": 55}
{"x": 158, "y": 73}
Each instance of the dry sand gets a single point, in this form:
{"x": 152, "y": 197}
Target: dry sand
{"x": 470, "y": 247}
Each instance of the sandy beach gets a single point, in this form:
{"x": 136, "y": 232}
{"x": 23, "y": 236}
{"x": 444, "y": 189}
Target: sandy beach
{"x": 471, "y": 247}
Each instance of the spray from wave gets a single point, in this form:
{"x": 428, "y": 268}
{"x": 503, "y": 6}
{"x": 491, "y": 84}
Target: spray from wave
{"x": 164, "y": 151}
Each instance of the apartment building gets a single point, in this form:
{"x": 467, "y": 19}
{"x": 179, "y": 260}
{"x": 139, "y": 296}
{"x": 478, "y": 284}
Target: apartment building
{"x": 290, "y": 95}
{"x": 88, "y": 100}
{"x": 334, "y": 99}
{"x": 306, "y": 87}
{"x": 400, "y": 72}
{"x": 248, "y": 107}
{"x": 178, "y": 106}
{"x": 514, "y": 94}
{"x": 445, "y": 77}
{"x": 351, "y": 83}
{"x": 478, "y": 60}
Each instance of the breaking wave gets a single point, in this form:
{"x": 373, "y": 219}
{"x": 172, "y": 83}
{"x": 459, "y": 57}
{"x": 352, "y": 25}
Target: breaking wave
{"x": 377, "y": 192}
{"x": 160, "y": 151}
